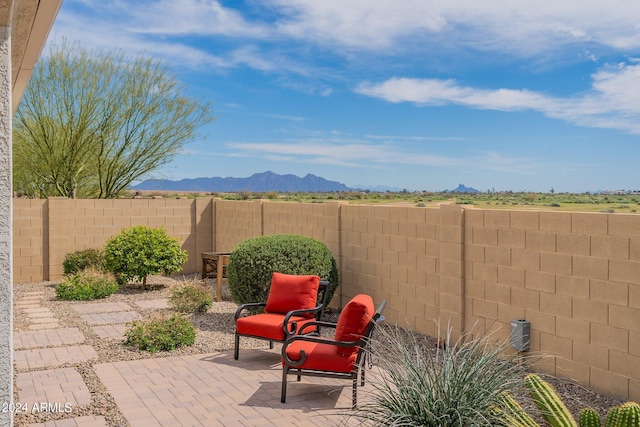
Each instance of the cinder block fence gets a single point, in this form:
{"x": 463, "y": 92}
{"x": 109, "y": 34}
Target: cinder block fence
{"x": 574, "y": 276}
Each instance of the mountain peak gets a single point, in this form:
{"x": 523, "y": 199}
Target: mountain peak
{"x": 461, "y": 188}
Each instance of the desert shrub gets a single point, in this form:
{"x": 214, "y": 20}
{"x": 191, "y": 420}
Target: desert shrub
{"x": 460, "y": 383}
{"x": 253, "y": 262}
{"x": 77, "y": 261}
{"x": 191, "y": 298}
{"x": 87, "y": 284}
{"x": 138, "y": 252}
{"x": 160, "y": 334}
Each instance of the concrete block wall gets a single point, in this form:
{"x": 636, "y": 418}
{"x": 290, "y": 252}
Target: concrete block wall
{"x": 30, "y": 240}
{"x": 393, "y": 253}
{"x": 71, "y": 225}
{"x": 236, "y": 221}
{"x": 574, "y": 276}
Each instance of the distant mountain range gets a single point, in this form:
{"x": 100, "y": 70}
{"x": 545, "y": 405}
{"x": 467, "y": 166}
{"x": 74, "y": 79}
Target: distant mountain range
{"x": 259, "y": 182}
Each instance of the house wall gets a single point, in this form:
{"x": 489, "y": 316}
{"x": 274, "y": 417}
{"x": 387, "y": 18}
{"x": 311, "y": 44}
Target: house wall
{"x": 6, "y": 253}
{"x": 574, "y": 276}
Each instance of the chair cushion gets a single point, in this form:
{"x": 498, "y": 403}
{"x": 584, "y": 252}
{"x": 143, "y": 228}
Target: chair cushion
{"x": 292, "y": 292}
{"x": 321, "y": 357}
{"x": 353, "y": 321}
{"x": 268, "y": 325}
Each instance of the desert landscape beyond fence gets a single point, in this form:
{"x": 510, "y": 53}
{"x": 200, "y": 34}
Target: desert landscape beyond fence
{"x": 574, "y": 276}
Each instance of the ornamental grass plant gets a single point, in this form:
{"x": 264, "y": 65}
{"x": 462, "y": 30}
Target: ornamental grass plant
{"x": 460, "y": 383}
{"x": 160, "y": 334}
{"x": 191, "y": 297}
{"x": 87, "y": 284}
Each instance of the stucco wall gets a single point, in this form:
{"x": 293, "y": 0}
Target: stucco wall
{"x": 6, "y": 277}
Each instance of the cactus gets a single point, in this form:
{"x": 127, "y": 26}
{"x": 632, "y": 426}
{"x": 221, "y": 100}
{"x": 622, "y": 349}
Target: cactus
{"x": 612, "y": 417}
{"x": 554, "y": 412}
{"x": 589, "y": 418}
{"x": 514, "y": 414}
{"x": 625, "y": 415}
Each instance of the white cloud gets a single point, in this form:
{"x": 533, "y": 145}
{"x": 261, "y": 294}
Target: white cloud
{"x": 503, "y": 25}
{"x": 356, "y": 153}
{"x": 613, "y": 101}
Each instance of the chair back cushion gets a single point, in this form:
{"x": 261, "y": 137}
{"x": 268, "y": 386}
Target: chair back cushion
{"x": 292, "y": 292}
{"x": 353, "y": 322}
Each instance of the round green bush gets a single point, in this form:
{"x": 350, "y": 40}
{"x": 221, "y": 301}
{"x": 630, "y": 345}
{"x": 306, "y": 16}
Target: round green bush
{"x": 77, "y": 261}
{"x": 138, "y": 252}
{"x": 253, "y": 262}
{"x": 86, "y": 285}
{"x": 160, "y": 334}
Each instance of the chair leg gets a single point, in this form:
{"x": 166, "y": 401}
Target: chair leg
{"x": 283, "y": 393}
{"x": 354, "y": 393}
{"x": 271, "y": 345}
{"x": 363, "y": 370}
{"x": 236, "y": 349}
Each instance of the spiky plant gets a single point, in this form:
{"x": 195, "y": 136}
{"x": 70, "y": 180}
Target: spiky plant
{"x": 461, "y": 383}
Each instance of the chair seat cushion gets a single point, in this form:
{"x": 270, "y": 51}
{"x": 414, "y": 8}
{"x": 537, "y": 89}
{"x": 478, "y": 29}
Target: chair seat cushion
{"x": 292, "y": 292}
{"x": 321, "y": 357}
{"x": 353, "y": 321}
{"x": 268, "y": 325}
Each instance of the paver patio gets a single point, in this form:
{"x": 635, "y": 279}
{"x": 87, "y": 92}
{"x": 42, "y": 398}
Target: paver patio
{"x": 216, "y": 390}
{"x": 196, "y": 390}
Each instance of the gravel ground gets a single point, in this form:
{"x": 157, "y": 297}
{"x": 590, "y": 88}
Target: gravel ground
{"x": 214, "y": 333}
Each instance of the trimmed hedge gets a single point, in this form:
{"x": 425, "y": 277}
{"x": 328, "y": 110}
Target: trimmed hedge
{"x": 253, "y": 262}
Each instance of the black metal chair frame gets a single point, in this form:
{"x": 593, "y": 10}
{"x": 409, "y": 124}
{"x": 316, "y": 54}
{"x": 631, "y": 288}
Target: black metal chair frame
{"x": 290, "y": 367}
{"x": 317, "y": 311}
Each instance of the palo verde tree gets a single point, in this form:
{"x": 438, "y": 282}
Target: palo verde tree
{"x": 92, "y": 122}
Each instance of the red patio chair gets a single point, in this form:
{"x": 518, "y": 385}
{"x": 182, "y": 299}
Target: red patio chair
{"x": 343, "y": 356}
{"x": 292, "y": 302}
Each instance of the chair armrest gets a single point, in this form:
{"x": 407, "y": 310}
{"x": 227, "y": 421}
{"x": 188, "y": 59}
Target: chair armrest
{"x": 301, "y": 312}
{"x": 248, "y": 306}
{"x": 314, "y": 339}
{"x": 316, "y": 323}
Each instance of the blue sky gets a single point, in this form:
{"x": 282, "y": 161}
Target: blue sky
{"x": 413, "y": 94}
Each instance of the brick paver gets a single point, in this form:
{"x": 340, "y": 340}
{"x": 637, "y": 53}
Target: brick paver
{"x": 107, "y": 318}
{"x": 44, "y": 326}
{"x": 100, "y": 307}
{"x": 216, "y": 390}
{"x": 50, "y": 357}
{"x": 86, "y": 421}
{"x": 47, "y": 338}
{"x": 153, "y": 303}
{"x": 38, "y": 309}
{"x": 112, "y": 332}
{"x": 54, "y": 386}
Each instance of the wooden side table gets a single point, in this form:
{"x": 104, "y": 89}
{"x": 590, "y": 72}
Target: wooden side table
{"x": 214, "y": 265}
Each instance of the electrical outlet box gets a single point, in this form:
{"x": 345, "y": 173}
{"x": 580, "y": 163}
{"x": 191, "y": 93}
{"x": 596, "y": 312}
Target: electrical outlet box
{"x": 520, "y": 334}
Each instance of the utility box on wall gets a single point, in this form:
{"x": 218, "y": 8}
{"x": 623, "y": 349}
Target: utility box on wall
{"x": 520, "y": 334}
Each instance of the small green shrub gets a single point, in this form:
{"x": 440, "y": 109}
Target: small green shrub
{"x": 87, "y": 285}
{"x": 77, "y": 261}
{"x": 461, "y": 383}
{"x": 253, "y": 262}
{"x": 191, "y": 298}
{"x": 138, "y": 252}
{"x": 161, "y": 334}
